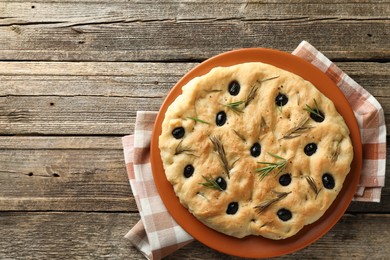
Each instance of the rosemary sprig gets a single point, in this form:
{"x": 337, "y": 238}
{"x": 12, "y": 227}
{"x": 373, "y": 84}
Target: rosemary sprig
{"x": 297, "y": 130}
{"x": 264, "y": 205}
{"x": 180, "y": 149}
{"x": 336, "y": 152}
{"x": 210, "y": 183}
{"x": 312, "y": 185}
{"x": 218, "y": 147}
{"x": 263, "y": 80}
{"x": 198, "y": 120}
{"x": 213, "y": 90}
{"x": 234, "y": 162}
{"x": 252, "y": 92}
{"x": 270, "y": 166}
{"x": 235, "y": 106}
{"x": 251, "y": 95}
{"x": 315, "y": 110}
{"x": 239, "y": 135}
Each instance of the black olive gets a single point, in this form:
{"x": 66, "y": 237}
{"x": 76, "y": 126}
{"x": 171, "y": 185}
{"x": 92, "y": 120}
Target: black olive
{"x": 188, "y": 171}
{"x": 232, "y": 208}
{"x": 310, "y": 149}
{"x": 281, "y": 99}
{"x": 221, "y": 183}
{"x": 178, "y": 132}
{"x": 328, "y": 181}
{"x": 220, "y": 119}
{"x": 284, "y": 214}
{"x": 234, "y": 88}
{"x": 256, "y": 149}
{"x": 285, "y": 179}
{"x": 318, "y": 118}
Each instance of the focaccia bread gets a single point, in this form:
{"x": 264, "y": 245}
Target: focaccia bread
{"x": 252, "y": 149}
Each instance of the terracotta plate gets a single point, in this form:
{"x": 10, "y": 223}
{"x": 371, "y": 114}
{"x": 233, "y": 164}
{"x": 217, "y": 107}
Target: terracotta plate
{"x": 253, "y": 246}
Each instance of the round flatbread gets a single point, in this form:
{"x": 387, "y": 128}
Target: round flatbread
{"x": 252, "y": 149}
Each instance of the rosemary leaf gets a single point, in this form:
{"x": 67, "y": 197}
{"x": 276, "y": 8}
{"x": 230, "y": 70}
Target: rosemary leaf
{"x": 271, "y": 166}
{"x": 264, "y": 205}
{"x": 336, "y": 152}
{"x": 312, "y": 184}
{"x": 218, "y": 147}
{"x": 239, "y": 135}
{"x": 251, "y": 95}
{"x": 180, "y": 149}
{"x": 198, "y": 120}
{"x": 235, "y": 162}
{"x": 314, "y": 110}
{"x": 263, "y": 172}
{"x": 298, "y": 130}
{"x": 263, "y": 80}
{"x": 210, "y": 183}
{"x": 316, "y": 105}
{"x": 235, "y": 106}
{"x": 276, "y": 156}
{"x": 213, "y": 90}
{"x": 252, "y": 92}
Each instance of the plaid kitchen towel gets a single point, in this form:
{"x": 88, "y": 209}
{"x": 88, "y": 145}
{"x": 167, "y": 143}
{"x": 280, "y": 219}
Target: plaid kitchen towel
{"x": 157, "y": 235}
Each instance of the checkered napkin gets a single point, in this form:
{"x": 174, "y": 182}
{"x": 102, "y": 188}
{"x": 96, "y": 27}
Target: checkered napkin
{"x": 157, "y": 235}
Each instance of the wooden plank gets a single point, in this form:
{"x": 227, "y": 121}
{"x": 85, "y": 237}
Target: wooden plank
{"x": 100, "y": 235}
{"x": 82, "y": 115}
{"x": 371, "y": 76}
{"x": 109, "y": 40}
{"x": 97, "y": 98}
{"x": 66, "y": 236}
{"x": 129, "y": 69}
{"x": 20, "y": 12}
{"x": 135, "y": 78}
{"x": 123, "y": 31}
{"x": 72, "y": 115}
{"x": 82, "y": 174}
{"x": 104, "y": 143}
{"x": 109, "y": 79}
{"x": 64, "y": 173}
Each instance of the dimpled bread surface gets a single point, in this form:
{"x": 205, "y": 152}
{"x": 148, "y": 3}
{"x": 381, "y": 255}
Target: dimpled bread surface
{"x": 252, "y": 149}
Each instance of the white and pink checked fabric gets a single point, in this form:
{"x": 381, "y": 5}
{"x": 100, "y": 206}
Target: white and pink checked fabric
{"x": 157, "y": 235}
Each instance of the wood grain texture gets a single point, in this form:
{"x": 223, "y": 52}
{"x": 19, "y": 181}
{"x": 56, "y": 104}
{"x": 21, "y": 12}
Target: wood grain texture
{"x": 190, "y": 30}
{"x": 100, "y": 235}
{"x": 64, "y": 174}
{"x": 101, "y": 98}
{"x": 19, "y": 11}
{"x": 66, "y": 236}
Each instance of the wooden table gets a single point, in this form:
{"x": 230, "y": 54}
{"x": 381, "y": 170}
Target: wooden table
{"x": 74, "y": 73}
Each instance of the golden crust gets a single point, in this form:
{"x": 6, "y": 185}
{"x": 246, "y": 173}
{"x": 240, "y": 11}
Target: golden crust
{"x": 282, "y": 131}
